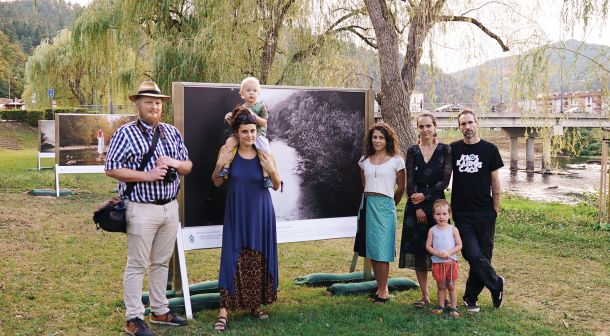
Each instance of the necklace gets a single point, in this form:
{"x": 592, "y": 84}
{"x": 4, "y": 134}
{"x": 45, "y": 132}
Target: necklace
{"x": 374, "y": 162}
{"x": 375, "y": 170}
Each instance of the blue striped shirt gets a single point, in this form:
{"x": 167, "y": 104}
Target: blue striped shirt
{"x": 127, "y": 148}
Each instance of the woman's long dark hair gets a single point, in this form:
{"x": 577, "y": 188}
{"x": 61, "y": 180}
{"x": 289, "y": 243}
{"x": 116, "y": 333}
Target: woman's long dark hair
{"x": 242, "y": 116}
{"x": 391, "y": 139}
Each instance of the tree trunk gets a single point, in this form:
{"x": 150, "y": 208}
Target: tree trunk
{"x": 418, "y": 30}
{"x": 271, "y": 40}
{"x": 74, "y": 85}
{"x": 394, "y": 103}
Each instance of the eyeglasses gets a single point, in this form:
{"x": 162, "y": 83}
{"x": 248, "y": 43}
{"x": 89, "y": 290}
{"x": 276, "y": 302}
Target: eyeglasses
{"x": 247, "y": 118}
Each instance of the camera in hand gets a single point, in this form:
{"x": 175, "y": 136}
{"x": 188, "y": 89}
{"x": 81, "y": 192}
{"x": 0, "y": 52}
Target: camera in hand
{"x": 171, "y": 175}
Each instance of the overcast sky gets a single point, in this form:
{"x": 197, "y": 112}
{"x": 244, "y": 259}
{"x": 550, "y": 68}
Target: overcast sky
{"x": 464, "y": 45}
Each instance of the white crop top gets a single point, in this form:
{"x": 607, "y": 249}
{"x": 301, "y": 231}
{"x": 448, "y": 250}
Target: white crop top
{"x": 381, "y": 178}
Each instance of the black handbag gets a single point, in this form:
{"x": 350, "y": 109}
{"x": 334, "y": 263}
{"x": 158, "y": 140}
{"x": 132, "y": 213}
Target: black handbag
{"x": 112, "y": 215}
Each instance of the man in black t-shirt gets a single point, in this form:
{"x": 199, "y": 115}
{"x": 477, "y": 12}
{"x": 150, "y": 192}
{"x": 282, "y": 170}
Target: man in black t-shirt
{"x": 475, "y": 173}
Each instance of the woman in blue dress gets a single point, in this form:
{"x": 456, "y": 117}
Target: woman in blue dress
{"x": 428, "y": 174}
{"x": 248, "y": 263}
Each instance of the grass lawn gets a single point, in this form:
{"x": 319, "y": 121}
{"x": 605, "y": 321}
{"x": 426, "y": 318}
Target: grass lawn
{"x": 59, "y": 276}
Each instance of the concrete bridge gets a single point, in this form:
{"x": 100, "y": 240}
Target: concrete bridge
{"x": 517, "y": 125}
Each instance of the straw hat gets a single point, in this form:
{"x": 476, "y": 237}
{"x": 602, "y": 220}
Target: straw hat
{"x": 149, "y": 89}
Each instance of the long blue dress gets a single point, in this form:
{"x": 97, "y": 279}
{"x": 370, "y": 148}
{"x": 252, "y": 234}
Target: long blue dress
{"x": 248, "y": 262}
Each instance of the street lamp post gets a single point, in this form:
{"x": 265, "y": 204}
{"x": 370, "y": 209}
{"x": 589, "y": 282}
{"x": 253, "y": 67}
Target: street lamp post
{"x": 9, "y": 88}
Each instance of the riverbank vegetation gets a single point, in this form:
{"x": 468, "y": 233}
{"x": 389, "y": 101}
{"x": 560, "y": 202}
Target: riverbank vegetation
{"x": 328, "y": 149}
{"x": 61, "y": 276}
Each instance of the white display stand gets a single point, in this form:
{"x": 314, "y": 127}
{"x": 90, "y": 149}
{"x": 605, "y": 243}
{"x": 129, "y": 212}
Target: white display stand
{"x": 206, "y": 237}
{"x": 74, "y": 170}
{"x": 42, "y": 155}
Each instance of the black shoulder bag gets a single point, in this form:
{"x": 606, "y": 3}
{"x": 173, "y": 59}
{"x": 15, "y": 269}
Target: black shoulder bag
{"x": 112, "y": 216}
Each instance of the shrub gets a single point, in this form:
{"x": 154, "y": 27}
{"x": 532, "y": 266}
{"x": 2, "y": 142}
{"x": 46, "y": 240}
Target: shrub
{"x": 49, "y": 114}
{"x": 33, "y": 116}
{"x": 15, "y": 115}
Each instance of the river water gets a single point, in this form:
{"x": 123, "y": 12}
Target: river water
{"x": 289, "y": 203}
{"x": 571, "y": 180}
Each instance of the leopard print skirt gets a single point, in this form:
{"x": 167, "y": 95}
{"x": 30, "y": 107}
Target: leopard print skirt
{"x": 253, "y": 283}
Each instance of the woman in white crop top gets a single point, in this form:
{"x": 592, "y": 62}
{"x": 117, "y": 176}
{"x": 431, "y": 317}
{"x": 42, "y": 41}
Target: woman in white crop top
{"x": 382, "y": 169}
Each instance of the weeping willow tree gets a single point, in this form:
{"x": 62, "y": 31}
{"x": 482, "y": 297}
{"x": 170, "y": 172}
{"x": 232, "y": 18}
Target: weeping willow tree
{"x": 99, "y": 70}
{"x": 403, "y": 31}
{"x": 399, "y": 32}
{"x": 279, "y": 41}
{"x": 55, "y": 65}
{"x": 553, "y": 69}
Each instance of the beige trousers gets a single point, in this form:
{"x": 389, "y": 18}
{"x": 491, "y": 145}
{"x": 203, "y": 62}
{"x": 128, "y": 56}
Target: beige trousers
{"x": 151, "y": 236}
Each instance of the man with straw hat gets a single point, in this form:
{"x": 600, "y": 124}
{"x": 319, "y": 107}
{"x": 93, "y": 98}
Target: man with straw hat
{"x": 149, "y": 189}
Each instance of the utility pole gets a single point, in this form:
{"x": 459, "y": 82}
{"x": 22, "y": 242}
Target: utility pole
{"x": 110, "y": 106}
{"x": 9, "y": 87}
{"x": 561, "y": 82}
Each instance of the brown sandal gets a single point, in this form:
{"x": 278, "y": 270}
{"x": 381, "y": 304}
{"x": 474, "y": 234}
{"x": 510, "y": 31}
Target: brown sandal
{"x": 257, "y": 313}
{"x": 380, "y": 300}
{"x": 421, "y": 303}
{"x": 222, "y": 323}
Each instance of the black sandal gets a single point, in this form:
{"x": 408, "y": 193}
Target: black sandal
{"x": 222, "y": 323}
{"x": 372, "y": 297}
{"x": 261, "y": 315}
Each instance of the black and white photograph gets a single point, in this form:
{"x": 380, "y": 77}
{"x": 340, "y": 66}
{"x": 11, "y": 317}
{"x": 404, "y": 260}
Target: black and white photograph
{"x": 46, "y": 132}
{"x": 315, "y": 134}
{"x": 83, "y": 139}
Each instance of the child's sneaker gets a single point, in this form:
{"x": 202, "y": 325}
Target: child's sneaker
{"x": 267, "y": 182}
{"x": 438, "y": 310}
{"x": 224, "y": 172}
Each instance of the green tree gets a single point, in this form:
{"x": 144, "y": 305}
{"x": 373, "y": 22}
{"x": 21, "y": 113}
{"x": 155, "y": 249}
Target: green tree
{"x": 28, "y": 22}
{"x": 414, "y": 20}
{"x": 114, "y": 45}
{"x": 408, "y": 27}
{"x": 12, "y": 63}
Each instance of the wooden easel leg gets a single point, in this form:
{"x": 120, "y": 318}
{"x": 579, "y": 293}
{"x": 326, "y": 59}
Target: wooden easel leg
{"x": 352, "y": 267}
{"x": 368, "y": 275}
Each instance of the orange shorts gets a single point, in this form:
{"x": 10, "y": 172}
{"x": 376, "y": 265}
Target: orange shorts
{"x": 445, "y": 271}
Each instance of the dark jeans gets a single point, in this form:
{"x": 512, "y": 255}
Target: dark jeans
{"x": 477, "y": 229}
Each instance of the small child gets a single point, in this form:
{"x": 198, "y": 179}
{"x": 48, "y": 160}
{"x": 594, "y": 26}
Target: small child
{"x": 250, "y": 91}
{"x": 443, "y": 243}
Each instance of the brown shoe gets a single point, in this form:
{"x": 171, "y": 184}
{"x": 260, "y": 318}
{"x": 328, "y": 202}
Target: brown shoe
{"x": 168, "y": 318}
{"x": 137, "y": 327}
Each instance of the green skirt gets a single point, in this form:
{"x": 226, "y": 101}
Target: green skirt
{"x": 378, "y": 229}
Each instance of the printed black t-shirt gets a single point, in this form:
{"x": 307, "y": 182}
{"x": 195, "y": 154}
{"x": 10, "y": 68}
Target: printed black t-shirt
{"x": 472, "y": 167}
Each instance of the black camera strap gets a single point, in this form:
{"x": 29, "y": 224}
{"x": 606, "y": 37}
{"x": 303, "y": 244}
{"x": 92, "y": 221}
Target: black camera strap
{"x": 144, "y": 162}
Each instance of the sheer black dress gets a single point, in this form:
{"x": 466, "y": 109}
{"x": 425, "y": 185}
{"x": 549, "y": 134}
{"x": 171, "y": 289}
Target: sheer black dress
{"x": 430, "y": 178}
